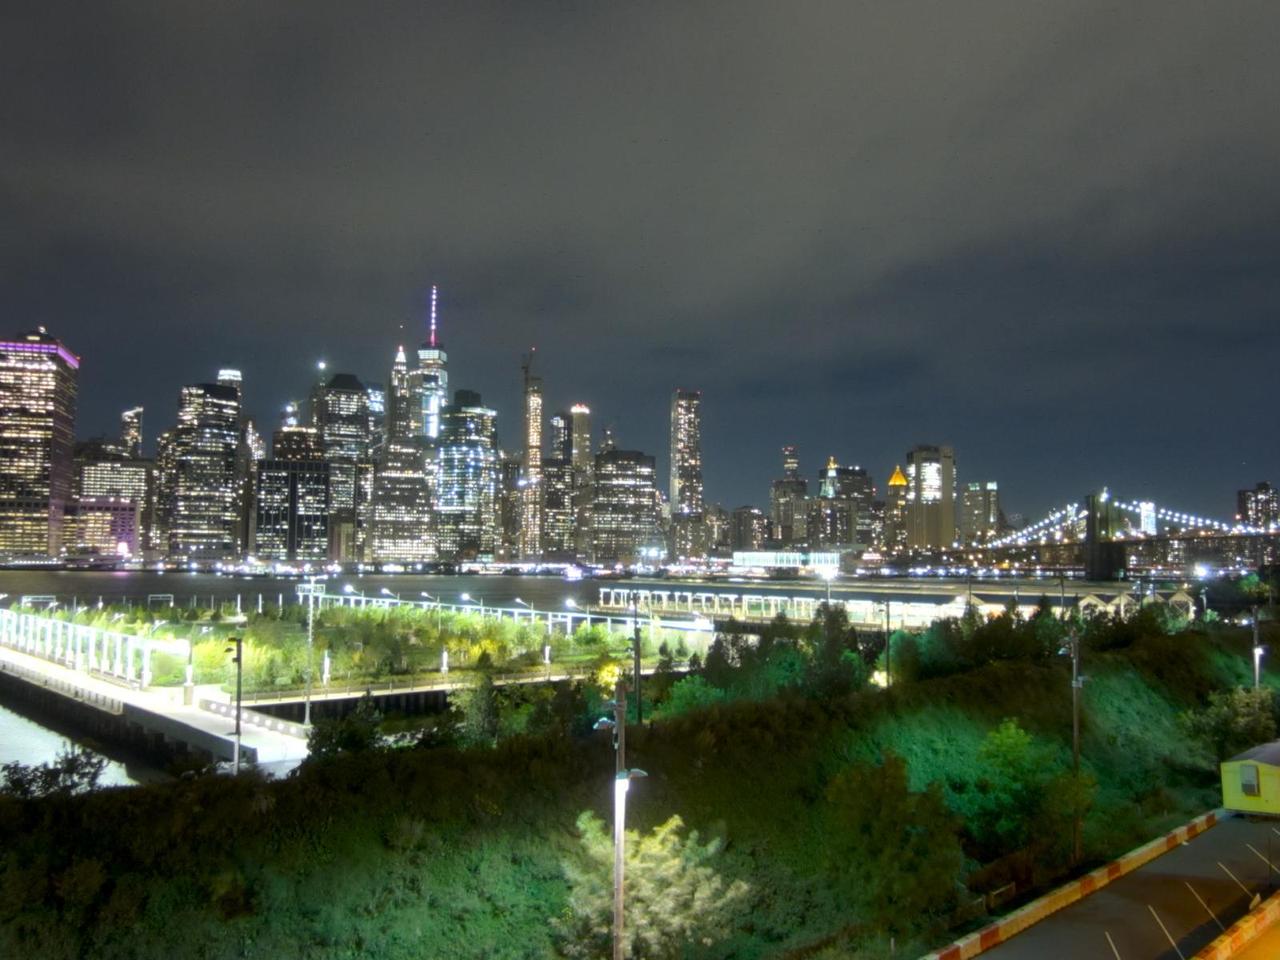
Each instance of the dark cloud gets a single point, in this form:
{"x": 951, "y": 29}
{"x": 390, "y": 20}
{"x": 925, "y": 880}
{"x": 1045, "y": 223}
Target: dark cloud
{"x": 1045, "y": 233}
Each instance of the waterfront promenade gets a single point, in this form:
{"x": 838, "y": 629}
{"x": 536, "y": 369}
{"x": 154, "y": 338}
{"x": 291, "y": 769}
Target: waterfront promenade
{"x": 162, "y": 712}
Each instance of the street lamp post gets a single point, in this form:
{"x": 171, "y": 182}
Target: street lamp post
{"x": 428, "y": 596}
{"x": 888, "y": 648}
{"x": 238, "y": 659}
{"x": 311, "y": 616}
{"x": 1077, "y": 684}
{"x": 1258, "y": 650}
{"x": 621, "y": 783}
{"x": 635, "y": 623}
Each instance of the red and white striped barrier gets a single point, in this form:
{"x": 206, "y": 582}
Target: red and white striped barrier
{"x": 1244, "y": 931}
{"x": 1035, "y": 911}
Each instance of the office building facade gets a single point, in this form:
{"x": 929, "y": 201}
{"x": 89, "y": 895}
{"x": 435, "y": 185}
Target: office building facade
{"x": 625, "y": 507}
{"x": 203, "y": 490}
{"x": 38, "y": 388}
{"x": 467, "y": 479}
{"x": 931, "y": 497}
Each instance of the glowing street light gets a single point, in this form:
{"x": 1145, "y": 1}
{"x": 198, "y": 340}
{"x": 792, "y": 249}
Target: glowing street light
{"x": 467, "y": 598}
{"x": 1258, "y": 651}
{"x": 621, "y": 784}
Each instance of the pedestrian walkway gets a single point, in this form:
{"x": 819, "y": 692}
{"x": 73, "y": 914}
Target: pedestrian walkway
{"x": 162, "y": 710}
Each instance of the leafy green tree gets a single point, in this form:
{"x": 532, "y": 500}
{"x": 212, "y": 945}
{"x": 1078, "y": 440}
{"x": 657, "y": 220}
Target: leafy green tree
{"x": 675, "y": 898}
{"x": 1234, "y": 720}
{"x": 1015, "y": 776}
{"x": 479, "y": 715}
{"x": 691, "y": 693}
{"x": 74, "y": 770}
{"x": 358, "y": 730}
{"x": 893, "y": 854}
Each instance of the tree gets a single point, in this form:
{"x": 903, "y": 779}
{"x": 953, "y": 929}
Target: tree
{"x": 674, "y": 896}
{"x": 893, "y": 853}
{"x": 1016, "y": 773}
{"x": 74, "y": 770}
{"x": 691, "y": 693}
{"x": 358, "y": 730}
{"x": 1234, "y": 720}
{"x": 477, "y": 705}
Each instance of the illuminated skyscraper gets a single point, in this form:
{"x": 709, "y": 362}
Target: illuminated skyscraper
{"x": 467, "y": 471}
{"x": 429, "y": 383}
{"x": 131, "y": 432}
{"x": 204, "y": 506}
{"x": 931, "y": 498}
{"x": 582, "y": 461}
{"x": 532, "y": 494}
{"x": 114, "y": 501}
{"x": 507, "y": 546}
{"x": 1259, "y": 507}
{"x": 291, "y": 511}
{"x": 341, "y": 410}
{"x": 38, "y": 381}
{"x": 401, "y": 504}
{"x": 377, "y": 418}
{"x": 558, "y": 509}
{"x": 625, "y": 507}
{"x": 686, "y": 452}
{"x": 688, "y": 533}
{"x": 748, "y": 528}
{"x": 980, "y": 516}
{"x": 787, "y": 502}
{"x": 895, "y": 513}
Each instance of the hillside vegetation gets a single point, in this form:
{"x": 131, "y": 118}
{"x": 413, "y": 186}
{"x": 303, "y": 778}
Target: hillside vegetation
{"x": 816, "y": 813}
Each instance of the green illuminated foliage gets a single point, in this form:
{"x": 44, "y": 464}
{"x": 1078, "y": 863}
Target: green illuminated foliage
{"x": 675, "y": 898}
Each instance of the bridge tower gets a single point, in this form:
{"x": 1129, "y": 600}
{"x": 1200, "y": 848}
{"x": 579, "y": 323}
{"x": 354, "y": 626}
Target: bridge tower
{"x": 1104, "y": 558}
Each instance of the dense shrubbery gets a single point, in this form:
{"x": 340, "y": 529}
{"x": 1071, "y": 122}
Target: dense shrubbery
{"x": 846, "y": 809}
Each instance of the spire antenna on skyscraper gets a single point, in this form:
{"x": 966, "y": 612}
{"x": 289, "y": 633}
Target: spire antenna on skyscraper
{"x": 434, "y": 293}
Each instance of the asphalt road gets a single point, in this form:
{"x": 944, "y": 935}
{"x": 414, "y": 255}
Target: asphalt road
{"x": 1169, "y": 909}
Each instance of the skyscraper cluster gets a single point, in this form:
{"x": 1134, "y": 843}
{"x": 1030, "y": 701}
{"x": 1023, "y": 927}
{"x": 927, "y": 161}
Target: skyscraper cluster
{"x": 397, "y": 474}
{"x": 920, "y": 511}
{"x": 403, "y": 473}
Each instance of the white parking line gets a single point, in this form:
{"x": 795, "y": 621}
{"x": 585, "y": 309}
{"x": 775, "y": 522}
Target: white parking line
{"x": 1166, "y": 932}
{"x": 1253, "y": 902}
{"x": 1206, "y": 907}
{"x": 1262, "y": 858}
{"x": 1113, "y": 944}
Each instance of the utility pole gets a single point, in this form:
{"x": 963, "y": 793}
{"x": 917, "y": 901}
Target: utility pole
{"x": 1077, "y": 682}
{"x": 635, "y": 619}
{"x": 311, "y": 616}
{"x": 238, "y": 659}
{"x": 888, "y": 648}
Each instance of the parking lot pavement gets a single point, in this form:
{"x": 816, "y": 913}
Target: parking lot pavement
{"x": 1168, "y": 909}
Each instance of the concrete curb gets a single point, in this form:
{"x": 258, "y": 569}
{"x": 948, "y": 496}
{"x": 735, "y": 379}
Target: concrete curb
{"x": 1244, "y": 931}
{"x": 1014, "y": 923}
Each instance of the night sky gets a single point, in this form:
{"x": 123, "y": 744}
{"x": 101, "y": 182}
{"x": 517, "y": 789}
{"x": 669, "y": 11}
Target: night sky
{"x": 1047, "y": 234}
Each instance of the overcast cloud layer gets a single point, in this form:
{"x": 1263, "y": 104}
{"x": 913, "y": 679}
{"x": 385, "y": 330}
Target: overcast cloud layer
{"x": 1045, "y": 233}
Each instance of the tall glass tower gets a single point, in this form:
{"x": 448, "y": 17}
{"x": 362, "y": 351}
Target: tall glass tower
{"x": 430, "y": 382}
{"x": 38, "y": 378}
{"x": 467, "y": 468}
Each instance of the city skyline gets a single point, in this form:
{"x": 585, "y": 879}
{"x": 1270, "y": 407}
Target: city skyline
{"x": 945, "y": 261}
